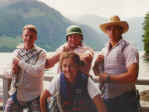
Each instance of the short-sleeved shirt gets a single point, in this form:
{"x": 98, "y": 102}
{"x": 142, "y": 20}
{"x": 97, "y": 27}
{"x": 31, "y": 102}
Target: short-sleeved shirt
{"x": 83, "y": 49}
{"x": 116, "y": 61}
{"x": 31, "y": 73}
{"x": 54, "y": 87}
{"x": 80, "y": 50}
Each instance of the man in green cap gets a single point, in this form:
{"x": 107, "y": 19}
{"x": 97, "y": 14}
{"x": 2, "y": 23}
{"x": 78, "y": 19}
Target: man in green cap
{"x": 74, "y": 38}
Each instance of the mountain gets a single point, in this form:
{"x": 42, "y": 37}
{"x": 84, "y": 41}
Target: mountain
{"x": 92, "y": 37}
{"x": 50, "y": 23}
{"x": 92, "y": 21}
{"x": 15, "y": 14}
{"x": 134, "y": 35}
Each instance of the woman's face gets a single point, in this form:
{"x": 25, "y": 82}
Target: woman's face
{"x": 70, "y": 69}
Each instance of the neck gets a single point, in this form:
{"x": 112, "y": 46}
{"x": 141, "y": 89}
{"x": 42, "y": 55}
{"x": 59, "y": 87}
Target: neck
{"x": 114, "y": 42}
{"x": 74, "y": 47}
{"x": 28, "y": 48}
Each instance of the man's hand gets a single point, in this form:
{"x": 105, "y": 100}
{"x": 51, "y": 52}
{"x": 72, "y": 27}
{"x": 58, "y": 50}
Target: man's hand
{"x": 51, "y": 61}
{"x": 15, "y": 67}
{"x": 16, "y": 61}
{"x": 103, "y": 77}
{"x": 47, "y": 64}
{"x": 86, "y": 58}
{"x": 99, "y": 60}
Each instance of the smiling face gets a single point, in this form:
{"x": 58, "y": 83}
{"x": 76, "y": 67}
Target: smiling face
{"x": 70, "y": 69}
{"x": 70, "y": 65}
{"x": 29, "y": 37}
{"x": 74, "y": 40}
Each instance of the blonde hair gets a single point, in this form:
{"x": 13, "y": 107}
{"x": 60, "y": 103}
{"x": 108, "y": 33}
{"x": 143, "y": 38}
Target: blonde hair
{"x": 31, "y": 28}
{"x": 73, "y": 56}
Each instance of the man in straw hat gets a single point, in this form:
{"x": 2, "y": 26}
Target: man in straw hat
{"x": 121, "y": 65}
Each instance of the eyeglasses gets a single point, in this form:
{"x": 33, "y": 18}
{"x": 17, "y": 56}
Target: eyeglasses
{"x": 75, "y": 37}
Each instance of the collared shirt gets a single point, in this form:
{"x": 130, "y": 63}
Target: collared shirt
{"x": 116, "y": 61}
{"x": 31, "y": 73}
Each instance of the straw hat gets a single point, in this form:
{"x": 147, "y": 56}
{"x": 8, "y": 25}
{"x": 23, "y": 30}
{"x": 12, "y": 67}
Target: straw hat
{"x": 115, "y": 20}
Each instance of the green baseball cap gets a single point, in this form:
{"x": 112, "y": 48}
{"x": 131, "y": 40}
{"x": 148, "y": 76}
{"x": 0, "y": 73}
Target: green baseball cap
{"x": 73, "y": 29}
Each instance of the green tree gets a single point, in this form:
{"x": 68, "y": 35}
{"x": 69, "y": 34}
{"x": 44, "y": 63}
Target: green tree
{"x": 146, "y": 34}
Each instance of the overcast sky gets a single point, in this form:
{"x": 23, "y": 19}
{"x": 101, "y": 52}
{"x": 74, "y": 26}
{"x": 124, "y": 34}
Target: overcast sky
{"x": 106, "y": 8}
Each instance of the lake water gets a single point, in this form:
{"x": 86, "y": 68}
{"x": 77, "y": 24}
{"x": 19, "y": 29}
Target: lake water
{"x": 5, "y": 59}
{"x": 143, "y": 69}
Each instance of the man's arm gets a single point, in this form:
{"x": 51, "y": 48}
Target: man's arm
{"x": 99, "y": 104}
{"x": 128, "y": 77}
{"x": 33, "y": 70}
{"x": 44, "y": 95}
{"x": 94, "y": 94}
{"x": 50, "y": 91}
{"x": 97, "y": 62}
{"x": 51, "y": 61}
{"x": 86, "y": 56}
{"x": 132, "y": 64}
{"x": 87, "y": 59}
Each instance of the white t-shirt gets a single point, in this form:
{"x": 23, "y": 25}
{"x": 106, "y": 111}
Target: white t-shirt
{"x": 92, "y": 88}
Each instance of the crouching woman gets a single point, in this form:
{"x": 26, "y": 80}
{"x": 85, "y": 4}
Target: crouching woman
{"x": 77, "y": 91}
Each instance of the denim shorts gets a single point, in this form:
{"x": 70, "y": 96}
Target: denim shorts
{"x": 13, "y": 105}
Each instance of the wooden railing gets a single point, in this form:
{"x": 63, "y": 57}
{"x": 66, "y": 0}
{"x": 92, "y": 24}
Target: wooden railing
{"x": 49, "y": 78}
{"x": 143, "y": 82}
{"x": 5, "y": 86}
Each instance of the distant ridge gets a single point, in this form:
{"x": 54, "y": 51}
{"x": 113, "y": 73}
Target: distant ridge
{"x": 134, "y": 35}
{"x": 15, "y": 14}
{"x": 50, "y": 23}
